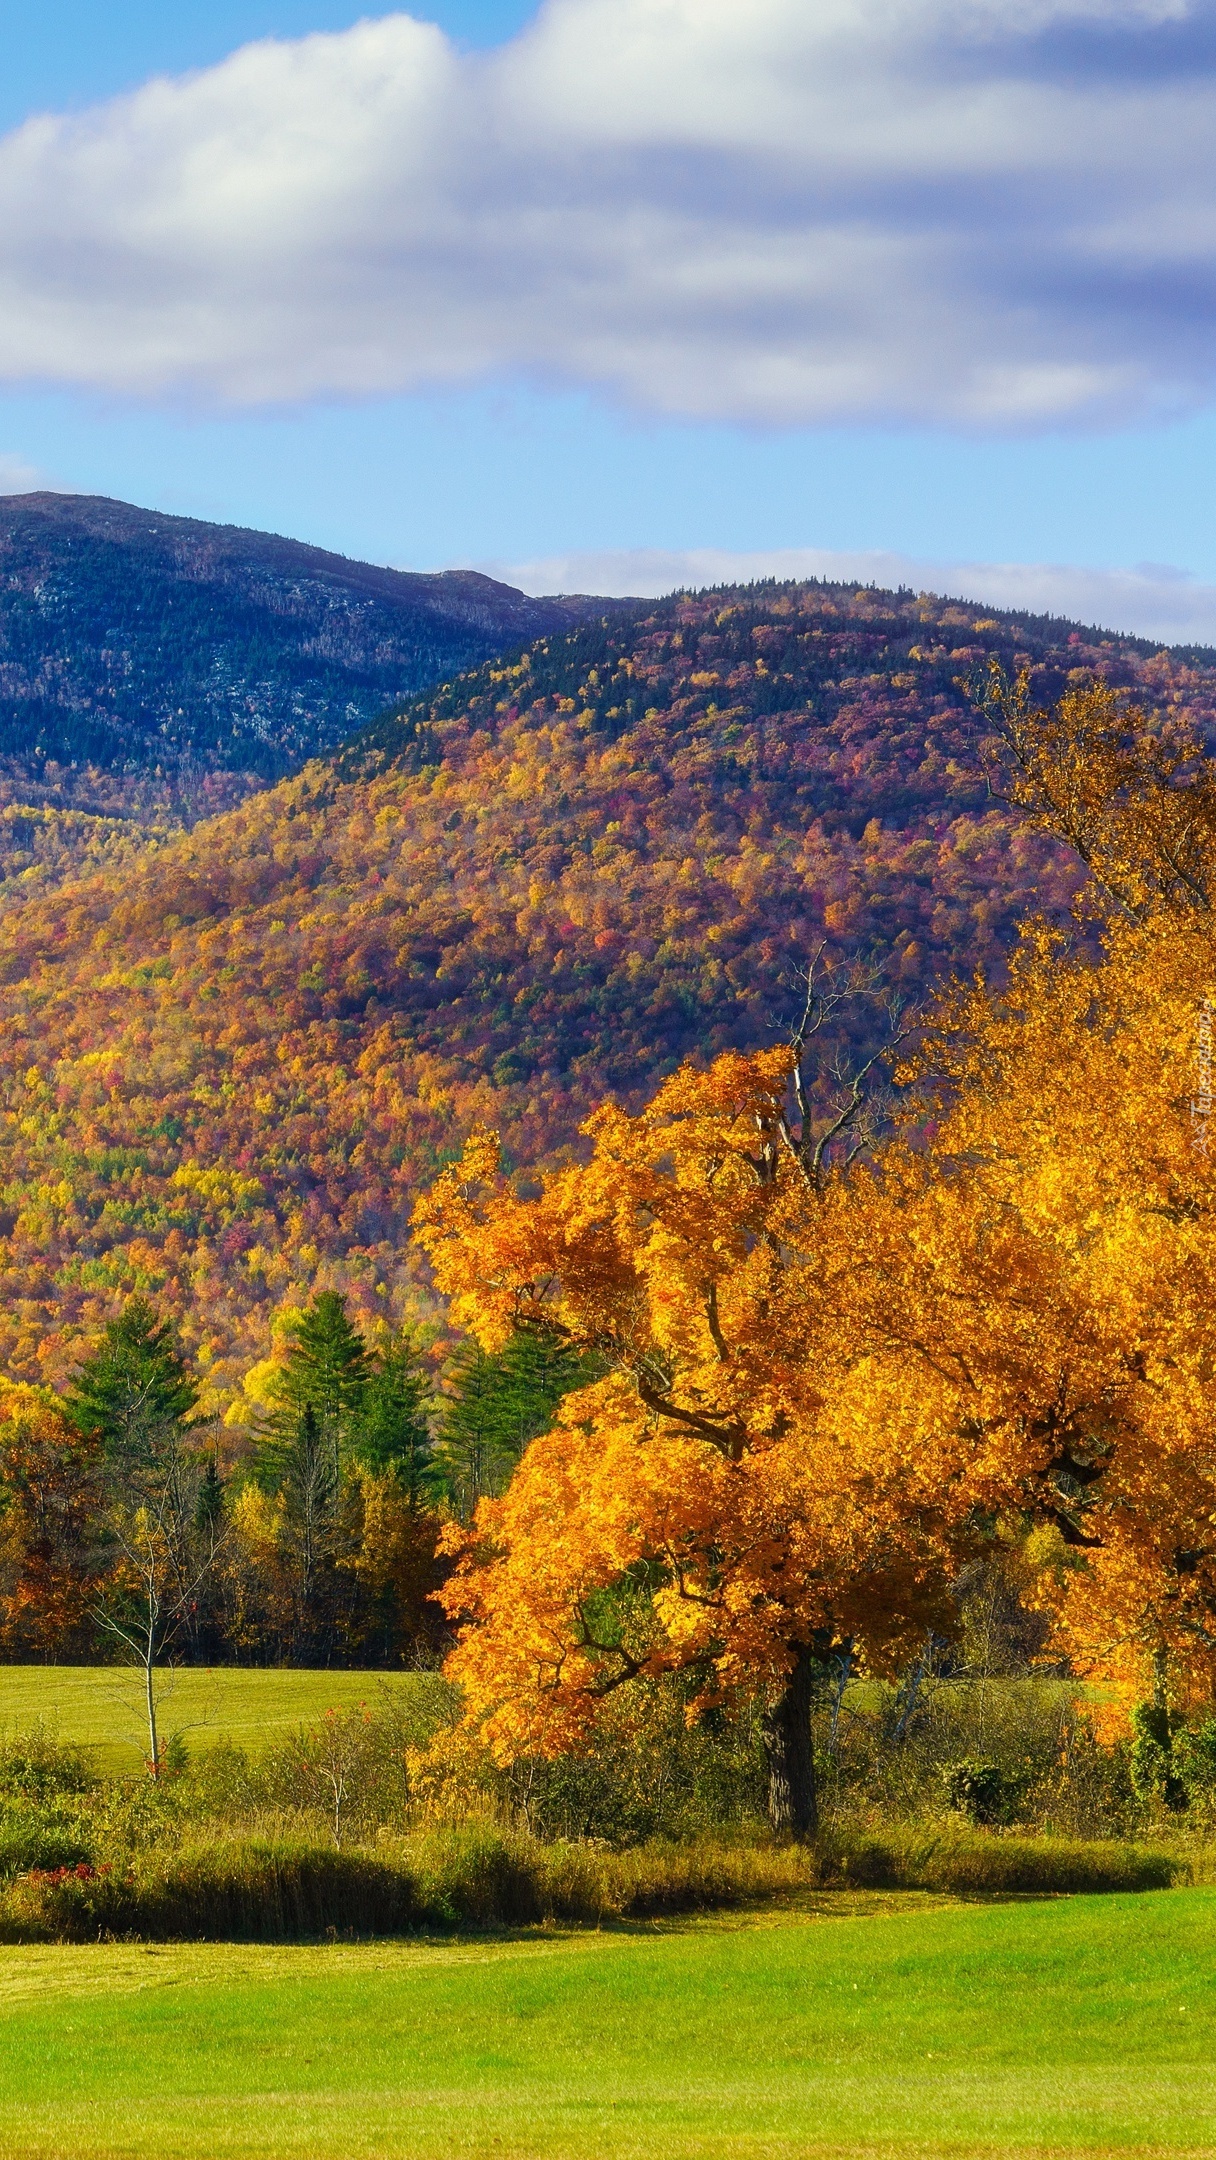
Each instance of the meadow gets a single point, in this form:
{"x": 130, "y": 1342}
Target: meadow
{"x": 100, "y": 1707}
{"x": 854, "y": 2024}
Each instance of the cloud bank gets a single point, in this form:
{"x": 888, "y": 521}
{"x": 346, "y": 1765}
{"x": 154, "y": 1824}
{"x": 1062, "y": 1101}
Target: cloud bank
{"x": 1152, "y": 601}
{"x": 986, "y": 213}
{"x": 18, "y": 476}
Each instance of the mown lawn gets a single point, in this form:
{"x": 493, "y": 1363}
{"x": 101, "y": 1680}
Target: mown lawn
{"x": 101, "y": 1707}
{"x": 867, "y": 2025}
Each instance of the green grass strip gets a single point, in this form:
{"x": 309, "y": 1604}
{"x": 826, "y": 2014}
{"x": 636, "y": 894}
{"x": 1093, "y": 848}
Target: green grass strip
{"x": 885, "y": 2025}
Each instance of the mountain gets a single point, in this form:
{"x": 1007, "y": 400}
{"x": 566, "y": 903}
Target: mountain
{"x": 153, "y": 668}
{"x": 226, "y": 1068}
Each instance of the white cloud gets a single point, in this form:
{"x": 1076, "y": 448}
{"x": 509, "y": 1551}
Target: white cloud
{"x": 986, "y": 212}
{"x": 1153, "y": 600}
{"x": 18, "y": 476}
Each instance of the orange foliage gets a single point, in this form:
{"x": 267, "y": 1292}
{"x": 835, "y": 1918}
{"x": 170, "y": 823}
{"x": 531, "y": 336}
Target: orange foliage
{"x": 1045, "y": 1280}
{"x": 708, "y": 1470}
{"x": 48, "y": 1531}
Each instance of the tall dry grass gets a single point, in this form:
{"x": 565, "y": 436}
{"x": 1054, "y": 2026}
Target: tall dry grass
{"x": 290, "y": 1889}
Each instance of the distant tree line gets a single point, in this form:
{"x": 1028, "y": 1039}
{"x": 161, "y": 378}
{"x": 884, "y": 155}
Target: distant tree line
{"x": 127, "y": 1531}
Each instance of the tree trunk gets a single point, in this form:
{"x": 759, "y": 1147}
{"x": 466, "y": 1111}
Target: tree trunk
{"x": 792, "y": 1806}
{"x": 150, "y": 1701}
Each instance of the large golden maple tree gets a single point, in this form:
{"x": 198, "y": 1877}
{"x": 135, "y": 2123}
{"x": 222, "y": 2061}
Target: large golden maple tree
{"x": 702, "y": 1508}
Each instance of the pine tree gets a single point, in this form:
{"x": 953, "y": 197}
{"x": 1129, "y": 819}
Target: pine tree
{"x": 210, "y": 1505}
{"x": 535, "y": 1370}
{"x": 326, "y": 1371}
{"x": 470, "y": 1457}
{"x": 497, "y": 1402}
{"x": 135, "y": 1394}
{"x": 394, "y": 1433}
{"x": 310, "y": 1495}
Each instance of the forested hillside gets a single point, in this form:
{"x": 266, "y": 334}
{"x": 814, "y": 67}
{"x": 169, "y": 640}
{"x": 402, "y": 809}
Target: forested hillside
{"x": 154, "y": 669}
{"x": 227, "y": 1070}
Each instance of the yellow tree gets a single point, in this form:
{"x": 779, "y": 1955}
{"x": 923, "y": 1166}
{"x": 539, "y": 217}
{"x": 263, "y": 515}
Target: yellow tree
{"x": 1041, "y": 1277}
{"x": 1132, "y": 792}
{"x": 700, "y": 1509}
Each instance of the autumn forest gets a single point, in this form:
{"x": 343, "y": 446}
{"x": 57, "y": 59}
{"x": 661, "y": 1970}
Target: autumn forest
{"x": 641, "y": 1170}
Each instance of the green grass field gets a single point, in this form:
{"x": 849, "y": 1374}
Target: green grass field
{"x": 101, "y": 1707}
{"x": 865, "y": 2026}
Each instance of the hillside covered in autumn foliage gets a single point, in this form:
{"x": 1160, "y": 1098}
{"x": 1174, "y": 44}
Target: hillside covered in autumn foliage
{"x": 229, "y": 1067}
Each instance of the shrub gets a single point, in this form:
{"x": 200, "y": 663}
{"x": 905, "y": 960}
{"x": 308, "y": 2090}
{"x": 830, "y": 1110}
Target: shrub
{"x": 248, "y": 1894}
{"x": 352, "y": 1766}
{"x": 1153, "y": 1770}
{"x": 45, "y": 1789}
{"x": 986, "y": 1865}
{"x": 1194, "y": 1756}
{"x": 894, "y": 1750}
{"x": 37, "y": 1769}
{"x": 644, "y": 1774}
{"x": 348, "y": 1768}
{"x": 131, "y": 1816}
{"x": 286, "y": 1891}
{"x": 32, "y": 1841}
{"x": 649, "y": 1774}
{"x": 982, "y": 1791}
{"x": 291, "y": 1890}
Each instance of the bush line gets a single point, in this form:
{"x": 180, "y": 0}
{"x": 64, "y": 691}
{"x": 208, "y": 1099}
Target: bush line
{"x": 249, "y": 1890}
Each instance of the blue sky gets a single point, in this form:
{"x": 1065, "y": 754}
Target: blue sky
{"x": 693, "y": 438}
{"x": 70, "y": 53}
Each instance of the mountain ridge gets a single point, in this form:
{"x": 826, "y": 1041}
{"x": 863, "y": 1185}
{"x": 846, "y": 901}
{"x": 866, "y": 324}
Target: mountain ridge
{"x": 133, "y": 639}
{"x": 464, "y": 594}
{"x": 157, "y": 669}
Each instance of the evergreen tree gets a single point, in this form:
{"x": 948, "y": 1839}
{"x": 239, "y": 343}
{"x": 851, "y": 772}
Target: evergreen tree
{"x": 310, "y": 1490}
{"x": 309, "y": 1442}
{"x": 535, "y": 1370}
{"x": 394, "y": 1433}
{"x": 210, "y": 1505}
{"x": 496, "y": 1403}
{"x": 326, "y": 1371}
{"x": 471, "y": 1458}
{"x": 135, "y": 1394}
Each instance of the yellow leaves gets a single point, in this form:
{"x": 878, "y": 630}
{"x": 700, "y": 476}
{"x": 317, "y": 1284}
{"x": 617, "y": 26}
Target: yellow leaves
{"x": 1134, "y": 794}
{"x": 32, "y": 1408}
{"x": 1048, "y": 1284}
{"x": 707, "y": 1457}
{"x": 452, "y": 1778}
{"x": 222, "y": 1191}
{"x": 1045, "y": 1549}
{"x": 395, "y": 1537}
{"x": 814, "y": 1398}
{"x": 258, "y": 1391}
{"x": 257, "y": 1519}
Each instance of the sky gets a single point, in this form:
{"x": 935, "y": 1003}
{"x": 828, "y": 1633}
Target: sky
{"x": 615, "y": 295}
